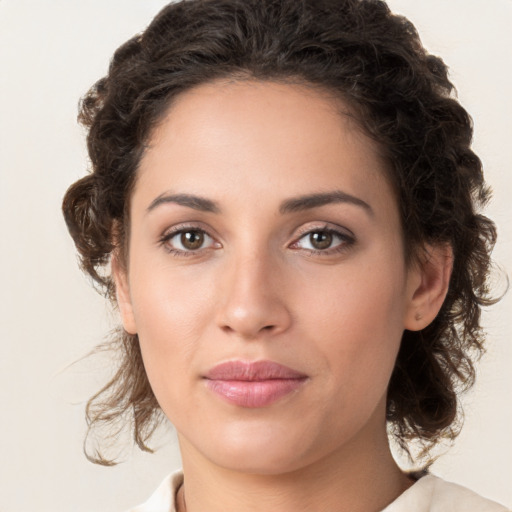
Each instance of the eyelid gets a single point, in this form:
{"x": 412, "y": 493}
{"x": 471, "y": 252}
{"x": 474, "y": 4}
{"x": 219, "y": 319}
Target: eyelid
{"x": 324, "y": 226}
{"x": 173, "y": 231}
{"x": 348, "y": 239}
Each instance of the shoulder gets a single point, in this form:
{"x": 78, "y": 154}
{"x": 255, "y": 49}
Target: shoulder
{"x": 162, "y": 500}
{"x": 433, "y": 494}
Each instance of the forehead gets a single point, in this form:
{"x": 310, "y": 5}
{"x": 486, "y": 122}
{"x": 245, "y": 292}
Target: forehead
{"x": 248, "y": 111}
{"x": 259, "y": 139}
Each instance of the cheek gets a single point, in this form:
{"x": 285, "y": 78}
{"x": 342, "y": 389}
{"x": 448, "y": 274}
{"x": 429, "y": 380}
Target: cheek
{"x": 357, "y": 322}
{"x": 170, "y": 311}
{"x": 169, "y": 303}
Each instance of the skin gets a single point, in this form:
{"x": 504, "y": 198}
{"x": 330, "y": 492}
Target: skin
{"x": 257, "y": 288}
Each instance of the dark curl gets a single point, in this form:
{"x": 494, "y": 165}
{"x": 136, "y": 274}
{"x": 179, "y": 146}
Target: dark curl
{"x": 402, "y": 98}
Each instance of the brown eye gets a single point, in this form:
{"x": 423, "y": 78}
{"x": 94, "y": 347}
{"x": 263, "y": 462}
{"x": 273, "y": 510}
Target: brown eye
{"x": 192, "y": 240}
{"x": 321, "y": 240}
{"x": 324, "y": 241}
{"x": 188, "y": 241}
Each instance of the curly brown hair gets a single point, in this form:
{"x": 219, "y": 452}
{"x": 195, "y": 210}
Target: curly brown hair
{"x": 401, "y": 97}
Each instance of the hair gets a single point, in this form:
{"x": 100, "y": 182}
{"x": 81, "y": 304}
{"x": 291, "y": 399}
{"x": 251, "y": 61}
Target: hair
{"x": 401, "y": 97}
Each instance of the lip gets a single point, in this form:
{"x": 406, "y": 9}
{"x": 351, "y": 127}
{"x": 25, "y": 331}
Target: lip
{"x": 253, "y": 384}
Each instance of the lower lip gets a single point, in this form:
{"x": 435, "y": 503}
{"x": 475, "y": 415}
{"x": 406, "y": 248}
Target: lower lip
{"x": 254, "y": 394}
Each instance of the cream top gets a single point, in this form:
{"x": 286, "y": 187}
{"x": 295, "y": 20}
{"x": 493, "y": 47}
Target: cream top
{"x": 429, "y": 494}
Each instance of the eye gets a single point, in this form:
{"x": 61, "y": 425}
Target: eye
{"x": 186, "y": 241}
{"x": 324, "y": 240}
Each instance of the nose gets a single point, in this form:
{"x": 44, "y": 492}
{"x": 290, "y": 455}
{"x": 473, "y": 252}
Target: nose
{"x": 253, "y": 300}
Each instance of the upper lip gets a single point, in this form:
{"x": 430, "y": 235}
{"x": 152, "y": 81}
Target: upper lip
{"x": 252, "y": 371}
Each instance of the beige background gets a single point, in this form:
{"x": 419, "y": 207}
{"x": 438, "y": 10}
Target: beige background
{"x": 51, "y": 51}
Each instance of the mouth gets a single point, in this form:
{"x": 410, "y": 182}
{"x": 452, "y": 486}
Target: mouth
{"x": 253, "y": 384}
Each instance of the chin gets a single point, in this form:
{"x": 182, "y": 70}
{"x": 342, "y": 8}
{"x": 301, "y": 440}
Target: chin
{"x": 262, "y": 449}
{"x": 259, "y": 462}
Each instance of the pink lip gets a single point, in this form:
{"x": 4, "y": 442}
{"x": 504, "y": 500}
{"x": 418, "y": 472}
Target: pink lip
{"x": 253, "y": 385}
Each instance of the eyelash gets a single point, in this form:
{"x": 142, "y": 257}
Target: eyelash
{"x": 166, "y": 237}
{"x": 346, "y": 241}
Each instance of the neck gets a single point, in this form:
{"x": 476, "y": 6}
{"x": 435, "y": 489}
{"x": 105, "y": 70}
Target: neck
{"x": 360, "y": 477}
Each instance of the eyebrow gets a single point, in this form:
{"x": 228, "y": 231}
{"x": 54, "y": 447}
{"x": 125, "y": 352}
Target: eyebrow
{"x": 295, "y": 204}
{"x": 191, "y": 201}
{"x": 321, "y": 199}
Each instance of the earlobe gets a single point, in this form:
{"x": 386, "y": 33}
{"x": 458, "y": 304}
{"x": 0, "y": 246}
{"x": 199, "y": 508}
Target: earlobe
{"x": 430, "y": 279}
{"x": 120, "y": 276}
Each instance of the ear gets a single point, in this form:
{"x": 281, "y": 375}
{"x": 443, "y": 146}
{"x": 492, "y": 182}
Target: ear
{"x": 428, "y": 282}
{"x": 123, "y": 295}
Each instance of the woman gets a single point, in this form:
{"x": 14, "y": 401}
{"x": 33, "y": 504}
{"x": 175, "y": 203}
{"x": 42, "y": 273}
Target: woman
{"x": 288, "y": 199}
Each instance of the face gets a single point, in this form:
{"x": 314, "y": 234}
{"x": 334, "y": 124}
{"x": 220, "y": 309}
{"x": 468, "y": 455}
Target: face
{"x": 266, "y": 278}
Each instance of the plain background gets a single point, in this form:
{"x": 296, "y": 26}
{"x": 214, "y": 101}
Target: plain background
{"x": 51, "y": 51}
